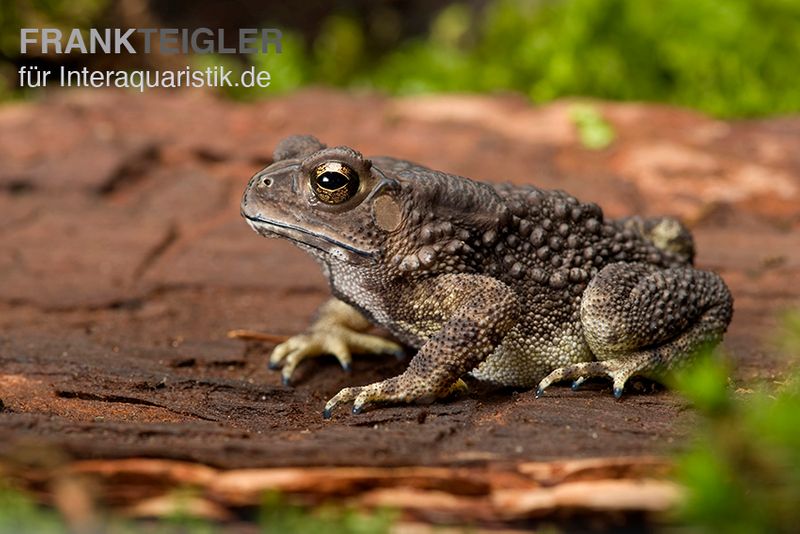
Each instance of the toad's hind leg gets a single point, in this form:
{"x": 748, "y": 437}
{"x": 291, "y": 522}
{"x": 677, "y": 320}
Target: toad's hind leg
{"x": 643, "y": 320}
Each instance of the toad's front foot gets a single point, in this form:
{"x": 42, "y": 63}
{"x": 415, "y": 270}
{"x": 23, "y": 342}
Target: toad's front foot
{"x": 336, "y": 340}
{"x": 387, "y": 392}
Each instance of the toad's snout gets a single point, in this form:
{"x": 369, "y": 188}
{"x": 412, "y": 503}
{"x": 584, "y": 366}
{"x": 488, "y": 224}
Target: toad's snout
{"x": 257, "y": 194}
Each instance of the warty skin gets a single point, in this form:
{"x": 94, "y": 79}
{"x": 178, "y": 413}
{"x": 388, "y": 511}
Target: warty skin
{"x": 515, "y": 285}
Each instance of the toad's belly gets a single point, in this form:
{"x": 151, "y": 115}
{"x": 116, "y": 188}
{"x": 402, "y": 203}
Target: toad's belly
{"x": 523, "y": 360}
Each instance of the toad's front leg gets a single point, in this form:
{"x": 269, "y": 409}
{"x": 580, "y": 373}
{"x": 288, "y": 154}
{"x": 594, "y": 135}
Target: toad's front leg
{"x": 478, "y": 312}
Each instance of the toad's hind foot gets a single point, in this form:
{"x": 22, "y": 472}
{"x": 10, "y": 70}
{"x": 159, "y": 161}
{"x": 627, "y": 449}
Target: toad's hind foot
{"x": 619, "y": 371}
{"x": 339, "y": 341}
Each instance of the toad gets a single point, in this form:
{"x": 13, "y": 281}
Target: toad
{"x": 514, "y": 285}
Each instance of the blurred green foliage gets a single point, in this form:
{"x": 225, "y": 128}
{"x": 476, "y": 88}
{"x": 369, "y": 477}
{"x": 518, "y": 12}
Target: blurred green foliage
{"x": 289, "y": 70}
{"x": 743, "y": 471}
{"x": 734, "y": 58}
{"x": 276, "y": 515}
{"x": 16, "y": 14}
{"x": 594, "y": 132}
{"x": 63, "y": 14}
{"x": 19, "y": 514}
{"x": 731, "y": 58}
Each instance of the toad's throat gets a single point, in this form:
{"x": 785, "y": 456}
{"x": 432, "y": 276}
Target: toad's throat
{"x": 302, "y": 236}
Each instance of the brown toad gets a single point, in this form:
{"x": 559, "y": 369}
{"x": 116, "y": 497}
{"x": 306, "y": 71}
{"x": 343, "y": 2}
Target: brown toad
{"x": 514, "y": 285}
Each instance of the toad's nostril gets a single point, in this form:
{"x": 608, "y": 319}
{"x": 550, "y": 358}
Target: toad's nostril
{"x": 267, "y": 182}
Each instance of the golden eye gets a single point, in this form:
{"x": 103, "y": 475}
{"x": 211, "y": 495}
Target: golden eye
{"x": 334, "y": 182}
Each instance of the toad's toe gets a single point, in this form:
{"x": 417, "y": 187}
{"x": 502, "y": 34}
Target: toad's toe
{"x": 337, "y": 341}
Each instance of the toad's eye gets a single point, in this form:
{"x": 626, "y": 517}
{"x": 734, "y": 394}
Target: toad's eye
{"x": 334, "y": 182}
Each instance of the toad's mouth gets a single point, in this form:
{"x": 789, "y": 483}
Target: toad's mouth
{"x": 272, "y": 228}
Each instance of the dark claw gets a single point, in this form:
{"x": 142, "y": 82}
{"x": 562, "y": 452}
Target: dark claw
{"x": 347, "y": 367}
{"x": 576, "y": 385}
{"x": 286, "y": 381}
{"x": 539, "y": 392}
{"x": 399, "y": 354}
{"x": 617, "y": 393}
{"x": 273, "y": 366}
{"x": 357, "y": 410}
{"x": 326, "y": 413}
